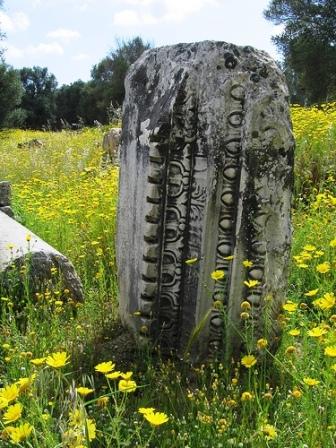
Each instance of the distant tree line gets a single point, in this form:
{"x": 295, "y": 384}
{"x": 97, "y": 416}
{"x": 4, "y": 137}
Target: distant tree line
{"x": 30, "y": 97}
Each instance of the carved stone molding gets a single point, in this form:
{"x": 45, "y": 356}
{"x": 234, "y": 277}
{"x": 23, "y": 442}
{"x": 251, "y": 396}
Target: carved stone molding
{"x": 206, "y": 167}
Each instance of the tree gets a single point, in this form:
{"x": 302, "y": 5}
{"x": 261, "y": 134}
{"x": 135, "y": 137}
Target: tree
{"x": 39, "y": 99}
{"x": 308, "y": 44}
{"x": 10, "y": 97}
{"x": 69, "y": 100}
{"x": 108, "y": 76}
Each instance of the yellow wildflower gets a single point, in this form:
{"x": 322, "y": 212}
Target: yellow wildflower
{"x": 311, "y": 382}
{"x": 332, "y": 243}
{"x": 247, "y": 263}
{"x": 246, "y": 396}
{"x": 330, "y": 351}
{"x": 25, "y": 383}
{"x": 309, "y": 248}
{"x": 113, "y": 375}
{"x": 13, "y": 413}
{"x": 84, "y": 391}
{"x": 245, "y": 305}
{"x": 57, "y": 360}
{"x": 156, "y": 418}
{"x": 244, "y": 315}
{"x": 262, "y": 343}
{"x": 10, "y": 392}
{"x": 127, "y": 375}
{"x": 317, "y": 332}
{"x": 326, "y": 302}
{"x": 38, "y": 361}
{"x": 217, "y": 275}
{"x": 248, "y": 361}
{"x": 323, "y": 267}
{"x": 105, "y": 367}
{"x": 294, "y": 332}
{"x": 91, "y": 428}
{"x": 103, "y": 401}
{"x": 290, "y": 306}
{"x": 296, "y": 393}
{"x": 127, "y": 386}
{"x": 20, "y": 433}
{"x": 269, "y": 431}
{"x": 251, "y": 283}
{"x": 312, "y": 292}
{"x": 302, "y": 265}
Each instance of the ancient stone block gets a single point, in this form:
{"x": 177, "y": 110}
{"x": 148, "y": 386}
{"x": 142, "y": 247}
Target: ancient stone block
{"x": 27, "y": 260}
{"x": 206, "y": 173}
{"x": 111, "y": 142}
{"x": 5, "y": 193}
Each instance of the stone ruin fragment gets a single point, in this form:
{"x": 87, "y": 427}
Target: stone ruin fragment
{"x": 111, "y": 140}
{"x": 206, "y": 176}
{"x": 28, "y": 261}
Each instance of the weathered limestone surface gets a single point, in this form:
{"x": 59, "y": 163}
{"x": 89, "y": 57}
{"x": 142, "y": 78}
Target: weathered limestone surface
{"x": 40, "y": 258}
{"x": 111, "y": 142}
{"x": 206, "y": 172}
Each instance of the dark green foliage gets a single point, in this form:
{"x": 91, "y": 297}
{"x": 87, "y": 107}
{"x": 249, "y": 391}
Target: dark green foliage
{"x": 69, "y": 99}
{"x": 92, "y": 100}
{"x": 10, "y": 97}
{"x": 108, "y": 75}
{"x": 308, "y": 46}
{"x": 39, "y": 99}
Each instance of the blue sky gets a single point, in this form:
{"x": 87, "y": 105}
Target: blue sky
{"x": 70, "y": 36}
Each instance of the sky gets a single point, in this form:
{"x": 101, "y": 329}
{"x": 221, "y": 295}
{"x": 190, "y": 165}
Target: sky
{"x": 70, "y": 36}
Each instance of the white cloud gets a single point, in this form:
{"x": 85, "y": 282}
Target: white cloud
{"x": 177, "y": 10}
{"x": 172, "y": 11}
{"x": 81, "y": 5}
{"x": 63, "y": 34}
{"x": 18, "y": 21}
{"x": 139, "y": 2}
{"x": 13, "y": 52}
{"x": 130, "y": 17}
{"x": 81, "y": 57}
{"x": 53, "y": 48}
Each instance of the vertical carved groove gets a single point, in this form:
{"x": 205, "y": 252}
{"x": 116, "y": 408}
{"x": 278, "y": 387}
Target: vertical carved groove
{"x": 230, "y": 179}
{"x": 176, "y": 222}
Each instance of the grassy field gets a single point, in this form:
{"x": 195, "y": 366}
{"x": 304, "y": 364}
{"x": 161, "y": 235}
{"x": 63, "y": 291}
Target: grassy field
{"x": 59, "y": 385}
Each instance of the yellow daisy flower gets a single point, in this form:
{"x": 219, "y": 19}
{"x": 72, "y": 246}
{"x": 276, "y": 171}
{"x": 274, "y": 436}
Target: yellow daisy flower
{"x": 156, "y": 418}
{"x": 105, "y": 367}
{"x": 248, "y": 361}
{"x": 57, "y": 360}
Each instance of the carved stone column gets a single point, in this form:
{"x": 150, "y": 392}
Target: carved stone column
{"x": 206, "y": 172}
